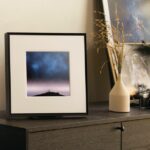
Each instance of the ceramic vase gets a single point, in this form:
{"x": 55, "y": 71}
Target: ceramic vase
{"x": 119, "y": 97}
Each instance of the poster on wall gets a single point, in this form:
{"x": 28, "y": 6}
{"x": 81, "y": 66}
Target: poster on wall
{"x": 46, "y": 74}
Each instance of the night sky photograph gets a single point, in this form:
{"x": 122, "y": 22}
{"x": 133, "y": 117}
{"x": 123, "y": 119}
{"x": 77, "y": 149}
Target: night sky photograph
{"x": 47, "y": 73}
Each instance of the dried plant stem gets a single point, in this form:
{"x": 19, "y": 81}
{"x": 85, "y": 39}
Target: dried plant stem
{"x": 102, "y": 67}
{"x": 104, "y": 33}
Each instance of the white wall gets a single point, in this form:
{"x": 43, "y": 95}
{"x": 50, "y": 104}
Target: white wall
{"x": 52, "y": 16}
{"x": 40, "y": 16}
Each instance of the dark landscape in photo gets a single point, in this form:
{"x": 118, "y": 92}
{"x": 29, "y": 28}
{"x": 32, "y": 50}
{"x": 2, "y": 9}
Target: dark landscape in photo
{"x": 47, "y": 73}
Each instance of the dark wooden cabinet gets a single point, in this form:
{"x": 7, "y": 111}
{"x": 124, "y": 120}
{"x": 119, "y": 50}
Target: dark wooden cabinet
{"x": 97, "y": 137}
{"x": 12, "y": 138}
{"x": 100, "y": 130}
{"x": 136, "y": 135}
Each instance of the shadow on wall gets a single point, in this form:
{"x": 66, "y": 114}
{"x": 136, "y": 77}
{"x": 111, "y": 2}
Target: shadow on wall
{"x": 2, "y": 76}
{"x": 99, "y": 86}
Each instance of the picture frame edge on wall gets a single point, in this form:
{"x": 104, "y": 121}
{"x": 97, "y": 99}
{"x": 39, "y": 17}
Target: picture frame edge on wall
{"x": 8, "y": 71}
{"x": 110, "y": 39}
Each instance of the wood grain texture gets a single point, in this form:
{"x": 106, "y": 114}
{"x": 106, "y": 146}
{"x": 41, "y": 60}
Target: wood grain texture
{"x": 103, "y": 137}
{"x": 136, "y": 135}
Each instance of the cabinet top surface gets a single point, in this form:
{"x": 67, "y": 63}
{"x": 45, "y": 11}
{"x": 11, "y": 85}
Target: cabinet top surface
{"x": 98, "y": 114}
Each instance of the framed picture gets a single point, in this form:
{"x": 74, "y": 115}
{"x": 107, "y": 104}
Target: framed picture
{"x": 46, "y": 74}
{"x": 133, "y": 14}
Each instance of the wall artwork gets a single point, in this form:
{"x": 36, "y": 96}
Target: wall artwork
{"x": 135, "y": 16}
{"x": 131, "y": 20}
{"x": 46, "y": 74}
{"x": 136, "y": 68}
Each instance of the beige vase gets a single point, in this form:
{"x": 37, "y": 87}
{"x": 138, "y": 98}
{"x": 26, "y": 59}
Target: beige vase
{"x": 119, "y": 97}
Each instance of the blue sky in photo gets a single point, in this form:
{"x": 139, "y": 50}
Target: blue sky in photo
{"x": 47, "y": 65}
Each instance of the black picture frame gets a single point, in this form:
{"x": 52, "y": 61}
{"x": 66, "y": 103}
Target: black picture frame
{"x": 18, "y": 44}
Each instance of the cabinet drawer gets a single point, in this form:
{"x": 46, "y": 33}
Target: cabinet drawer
{"x": 99, "y": 137}
{"x": 136, "y": 135}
